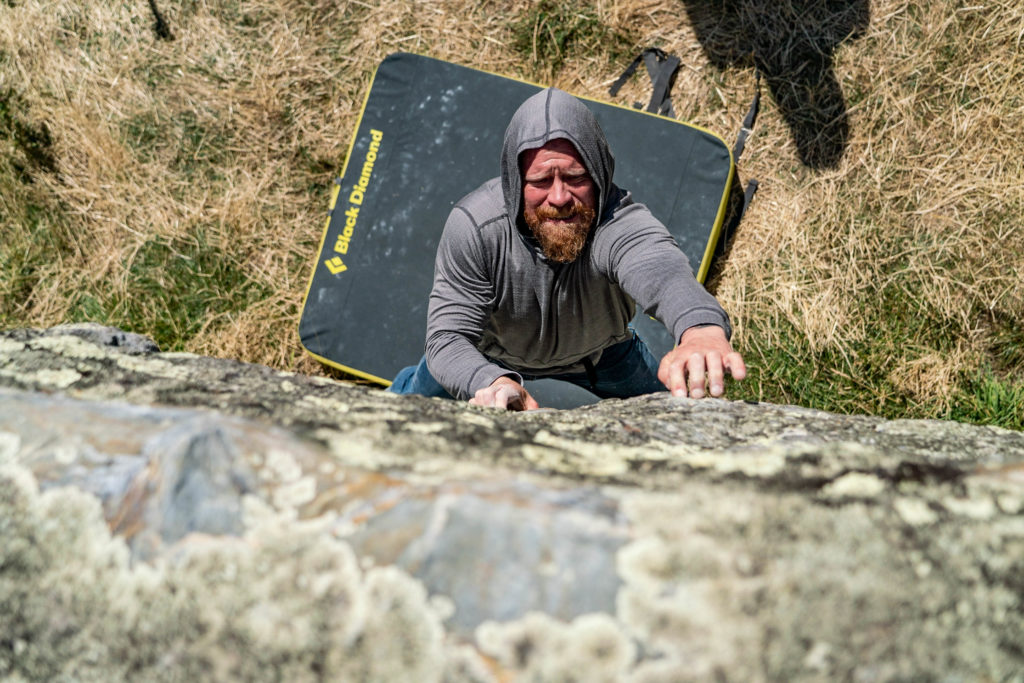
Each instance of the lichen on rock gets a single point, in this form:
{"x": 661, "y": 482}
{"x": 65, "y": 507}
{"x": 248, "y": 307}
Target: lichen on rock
{"x": 167, "y": 516}
{"x": 282, "y": 602}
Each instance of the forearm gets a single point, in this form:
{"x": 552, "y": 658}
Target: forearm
{"x": 666, "y": 289}
{"x": 643, "y": 258}
{"x": 458, "y": 365}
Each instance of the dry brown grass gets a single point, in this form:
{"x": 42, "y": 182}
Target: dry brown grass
{"x": 888, "y": 277}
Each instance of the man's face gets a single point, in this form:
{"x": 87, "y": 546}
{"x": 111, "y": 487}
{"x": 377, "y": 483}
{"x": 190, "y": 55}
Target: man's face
{"x": 559, "y": 199}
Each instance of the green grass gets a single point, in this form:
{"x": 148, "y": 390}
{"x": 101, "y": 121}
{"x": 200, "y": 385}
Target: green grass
{"x": 551, "y": 33}
{"x": 990, "y": 400}
{"x": 791, "y": 372}
{"x": 176, "y": 286}
{"x": 33, "y": 240}
{"x": 26, "y": 256}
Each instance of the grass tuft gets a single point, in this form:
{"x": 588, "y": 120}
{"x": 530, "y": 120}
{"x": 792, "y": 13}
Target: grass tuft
{"x": 550, "y": 33}
{"x": 991, "y": 401}
{"x": 177, "y": 284}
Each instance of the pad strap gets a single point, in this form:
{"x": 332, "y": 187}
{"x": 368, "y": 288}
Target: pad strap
{"x": 662, "y": 68}
{"x": 749, "y": 120}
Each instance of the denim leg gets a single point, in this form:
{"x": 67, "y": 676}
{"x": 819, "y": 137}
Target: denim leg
{"x": 416, "y": 379}
{"x": 628, "y": 369}
{"x": 625, "y": 369}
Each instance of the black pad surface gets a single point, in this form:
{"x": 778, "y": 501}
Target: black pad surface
{"x": 430, "y": 133}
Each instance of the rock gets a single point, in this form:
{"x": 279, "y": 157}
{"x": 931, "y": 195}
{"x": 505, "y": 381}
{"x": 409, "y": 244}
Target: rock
{"x": 167, "y": 516}
{"x": 100, "y": 335}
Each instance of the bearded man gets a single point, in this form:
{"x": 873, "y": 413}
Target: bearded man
{"x": 538, "y": 273}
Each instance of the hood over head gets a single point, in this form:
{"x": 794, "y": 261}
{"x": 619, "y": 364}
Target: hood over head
{"x": 546, "y": 116}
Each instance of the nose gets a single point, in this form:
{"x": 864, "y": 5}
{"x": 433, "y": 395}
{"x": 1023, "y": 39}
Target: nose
{"x": 559, "y": 194}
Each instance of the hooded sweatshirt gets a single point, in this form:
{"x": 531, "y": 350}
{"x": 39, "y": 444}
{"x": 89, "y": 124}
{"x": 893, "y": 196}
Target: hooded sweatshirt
{"x": 498, "y": 307}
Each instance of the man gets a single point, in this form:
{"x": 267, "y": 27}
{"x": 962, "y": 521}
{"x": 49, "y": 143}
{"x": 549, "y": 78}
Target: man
{"x": 537, "y": 273}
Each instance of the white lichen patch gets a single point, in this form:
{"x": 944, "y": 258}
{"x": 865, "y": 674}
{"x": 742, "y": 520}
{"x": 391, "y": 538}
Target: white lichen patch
{"x": 817, "y": 658}
{"x": 150, "y": 366}
{"x": 914, "y": 511}
{"x": 594, "y": 647}
{"x": 1004, "y": 485}
{"x": 294, "y": 494}
{"x": 659, "y": 451}
{"x": 432, "y": 471}
{"x": 973, "y": 508}
{"x": 61, "y": 379}
{"x": 69, "y": 346}
{"x": 355, "y": 451}
{"x": 756, "y": 463}
{"x": 544, "y": 457}
{"x": 281, "y": 466}
{"x": 601, "y": 460}
{"x": 1011, "y": 503}
{"x": 379, "y": 417}
{"x": 321, "y": 381}
{"x": 10, "y": 444}
{"x": 443, "y": 606}
{"x": 269, "y": 602}
{"x": 53, "y": 379}
{"x": 644, "y": 561}
{"x": 546, "y": 438}
{"x": 475, "y": 418}
{"x": 65, "y": 453}
{"x": 566, "y": 426}
{"x": 9, "y": 346}
{"x": 424, "y": 427}
{"x": 256, "y": 511}
{"x": 329, "y": 404}
{"x": 854, "y": 485}
{"x": 693, "y": 458}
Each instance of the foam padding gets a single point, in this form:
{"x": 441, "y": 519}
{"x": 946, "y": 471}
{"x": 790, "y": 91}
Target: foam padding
{"x": 429, "y": 133}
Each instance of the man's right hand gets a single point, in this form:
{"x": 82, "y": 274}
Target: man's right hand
{"x": 507, "y": 393}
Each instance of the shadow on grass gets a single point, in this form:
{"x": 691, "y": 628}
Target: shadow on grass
{"x": 792, "y": 43}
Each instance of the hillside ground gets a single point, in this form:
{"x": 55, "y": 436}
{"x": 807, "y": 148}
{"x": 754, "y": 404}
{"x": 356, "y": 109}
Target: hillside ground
{"x": 166, "y": 167}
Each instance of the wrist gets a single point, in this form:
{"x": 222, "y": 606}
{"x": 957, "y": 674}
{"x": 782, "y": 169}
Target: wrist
{"x": 701, "y": 330}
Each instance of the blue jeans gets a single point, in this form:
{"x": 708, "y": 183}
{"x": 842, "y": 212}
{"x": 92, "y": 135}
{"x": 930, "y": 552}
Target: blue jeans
{"x": 624, "y": 369}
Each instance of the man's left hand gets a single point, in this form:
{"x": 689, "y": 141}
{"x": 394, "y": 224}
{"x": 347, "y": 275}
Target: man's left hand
{"x": 701, "y": 359}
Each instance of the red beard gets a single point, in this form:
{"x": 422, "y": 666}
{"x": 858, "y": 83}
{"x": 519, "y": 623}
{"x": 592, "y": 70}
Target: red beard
{"x": 562, "y": 233}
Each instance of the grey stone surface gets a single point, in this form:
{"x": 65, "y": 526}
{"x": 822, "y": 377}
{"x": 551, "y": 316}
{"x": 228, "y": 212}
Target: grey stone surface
{"x": 166, "y": 516}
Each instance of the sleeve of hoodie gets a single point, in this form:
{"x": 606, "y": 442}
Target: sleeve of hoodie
{"x": 460, "y": 305}
{"x": 643, "y": 258}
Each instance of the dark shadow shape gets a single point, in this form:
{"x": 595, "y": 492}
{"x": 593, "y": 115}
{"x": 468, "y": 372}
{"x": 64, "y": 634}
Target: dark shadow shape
{"x": 33, "y": 139}
{"x": 730, "y": 226}
{"x": 791, "y": 42}
{"x": 160, "y": 25}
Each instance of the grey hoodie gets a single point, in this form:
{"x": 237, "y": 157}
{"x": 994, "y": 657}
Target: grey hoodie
{"x": 497, "y": 298}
